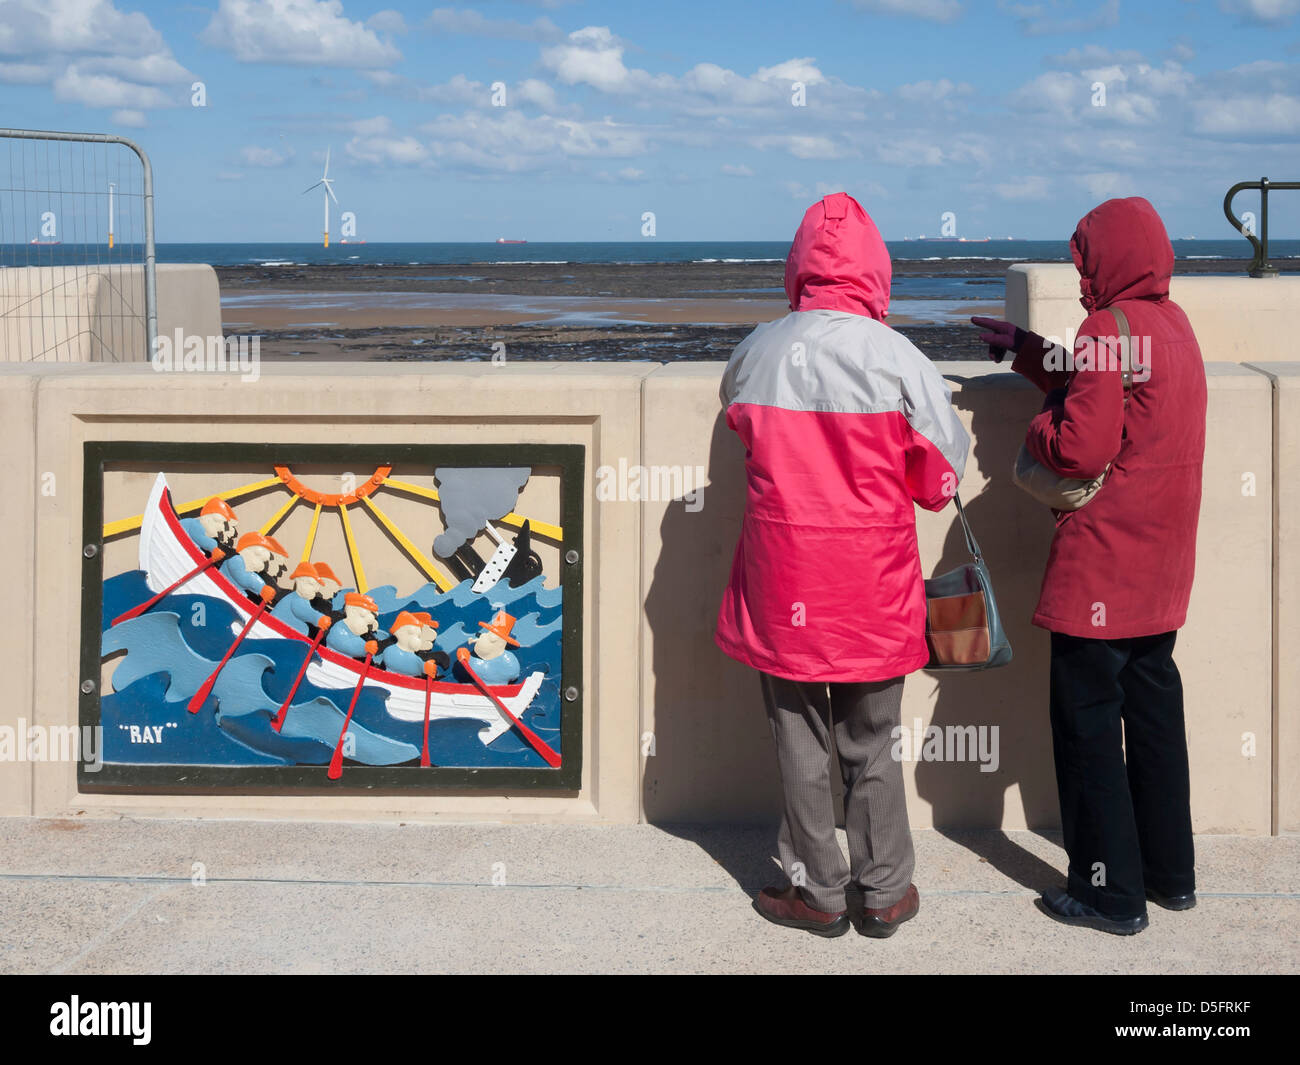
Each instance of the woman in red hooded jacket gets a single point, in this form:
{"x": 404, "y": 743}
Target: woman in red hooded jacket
{"x": 846, "y": 426}
{"x": 1119, "y": 574}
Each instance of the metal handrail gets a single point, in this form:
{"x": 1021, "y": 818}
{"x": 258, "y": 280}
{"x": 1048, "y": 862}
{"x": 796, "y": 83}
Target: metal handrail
{"x": 150, "y": 285}
{"x": 1259, "y": 266}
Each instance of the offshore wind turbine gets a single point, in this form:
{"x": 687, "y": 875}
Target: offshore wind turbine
{"x": 329, "y": 194}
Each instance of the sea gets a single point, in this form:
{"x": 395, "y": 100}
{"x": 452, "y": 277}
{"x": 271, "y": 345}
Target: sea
{"x": 634, "y": 252}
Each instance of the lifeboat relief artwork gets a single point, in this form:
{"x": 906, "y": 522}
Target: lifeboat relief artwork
{"x": 243, "y": 629}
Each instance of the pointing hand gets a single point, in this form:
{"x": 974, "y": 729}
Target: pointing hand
{"x": 1000, "y": 336}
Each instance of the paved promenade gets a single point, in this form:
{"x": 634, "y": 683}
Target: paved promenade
{"x": 142, "y": 896}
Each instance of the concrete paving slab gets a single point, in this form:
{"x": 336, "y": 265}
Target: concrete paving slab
{"x": 123, "y": 897}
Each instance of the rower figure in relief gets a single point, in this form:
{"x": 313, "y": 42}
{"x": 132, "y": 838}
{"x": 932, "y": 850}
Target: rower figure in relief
{"x": 490, "y": 660}
{"x": 215, "y": 529}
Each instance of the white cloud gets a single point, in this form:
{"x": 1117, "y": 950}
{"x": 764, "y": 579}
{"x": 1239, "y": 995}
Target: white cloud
{"x": 295, "y": 32}
{"x": 1248, "y": 115}
{"x": 387, "y": 21}
{"x": 627, "y": 174}
{"x": 737, "y": 170}
{"x": 804, "y": 70}
{"x": 402, "y": 151}
{"x": 511, "y": 141}
{"x": 719, "y": 83}
{"x": 592, "y": 56}
{"x": 801, "y": 146}
{"x": 1035, "y": 23}
{"x": 471, "y": 23}
{"x": 127, "y": 117}
{"x": 461, "y": 90}
{"x": 457, "y": 89}
{"x": 930, "y": 10}
{"x": 371, "y": 127}
{"x": 75, "y": 27}
{"x": 90, "y": 53}
{"x": 1053, "y": 91}
{"x": 107, "y": 90}
{"x": 154, "y": 69}
{"x": 903, "y": 152}
{"x": 934, "y": 90}
{"x": 26, "y": 73}
{"x": 1091, "y": 55}
{"x": 1130, "y": 94}
{"x": 253, "y": 155}
{"x": 1268, "y": 12}
{"x": 1029, "y": 187}
{"x": 1106, "y": 184}
{"x": 536, "y": 92}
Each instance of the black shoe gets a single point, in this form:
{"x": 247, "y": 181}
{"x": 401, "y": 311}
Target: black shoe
{"x": 1173, "y": 902}
{"x": 1061, "y": 906}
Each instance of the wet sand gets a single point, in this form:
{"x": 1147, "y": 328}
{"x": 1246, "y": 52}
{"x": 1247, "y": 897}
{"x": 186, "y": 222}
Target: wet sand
{"x": 663, "y": 312}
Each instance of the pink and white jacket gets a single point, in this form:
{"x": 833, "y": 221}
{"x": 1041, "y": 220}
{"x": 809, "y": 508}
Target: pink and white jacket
{"x": 846, "y": 425}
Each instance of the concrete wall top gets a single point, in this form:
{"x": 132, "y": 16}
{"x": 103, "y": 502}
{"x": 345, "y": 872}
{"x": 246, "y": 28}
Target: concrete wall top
{"x": 75, "y": 314}
{"x": 1236, "y": 319}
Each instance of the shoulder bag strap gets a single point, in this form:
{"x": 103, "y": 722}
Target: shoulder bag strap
{"x": 1125, "y": 355}
{"x": 971, "y": 545}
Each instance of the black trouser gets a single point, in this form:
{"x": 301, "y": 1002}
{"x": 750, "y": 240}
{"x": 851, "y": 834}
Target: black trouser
{"x": 1127, "y": 823}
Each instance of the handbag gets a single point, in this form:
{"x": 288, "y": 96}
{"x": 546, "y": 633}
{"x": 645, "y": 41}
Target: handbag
{"x": 962, "y": 626}
{"x": 1044, "y": 483}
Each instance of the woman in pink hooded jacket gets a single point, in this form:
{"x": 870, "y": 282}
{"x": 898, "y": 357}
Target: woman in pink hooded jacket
{"x": 1119, "y": 576}
{"x": 846, "y": 426}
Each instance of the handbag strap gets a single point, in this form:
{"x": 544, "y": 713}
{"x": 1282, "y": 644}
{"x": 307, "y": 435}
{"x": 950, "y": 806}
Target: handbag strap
{"x": 971, "y": 545}
{"x": 1125, "y": 354}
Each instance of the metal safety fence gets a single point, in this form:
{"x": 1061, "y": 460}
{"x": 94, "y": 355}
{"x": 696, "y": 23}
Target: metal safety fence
{"x": 77, "y": 258}
{"x": 1260, "y": 265}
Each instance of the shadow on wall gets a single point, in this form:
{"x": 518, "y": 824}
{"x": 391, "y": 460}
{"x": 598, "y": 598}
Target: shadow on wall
{"x": 713, "y": 757}
{"x": 1014, "y": 534}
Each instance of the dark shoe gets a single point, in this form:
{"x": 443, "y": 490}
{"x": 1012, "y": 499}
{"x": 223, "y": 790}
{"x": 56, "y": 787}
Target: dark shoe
{"x": 1173, "y": 902}
{"x": 786, "y": 907}
{"x": 883, "y": 923}
{"x": 1063, "y": 907}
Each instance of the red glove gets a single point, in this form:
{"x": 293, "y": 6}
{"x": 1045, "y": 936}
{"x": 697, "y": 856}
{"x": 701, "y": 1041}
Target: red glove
{"x": 1000, "y": 336}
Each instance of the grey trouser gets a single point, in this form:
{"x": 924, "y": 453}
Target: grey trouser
{"x": 875, "y": 806}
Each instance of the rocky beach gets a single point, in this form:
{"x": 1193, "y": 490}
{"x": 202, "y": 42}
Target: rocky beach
{"x": 570, "y": 311}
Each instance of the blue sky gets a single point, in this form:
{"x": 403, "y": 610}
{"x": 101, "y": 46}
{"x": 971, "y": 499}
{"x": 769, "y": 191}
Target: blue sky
{"x": 690, "y": 110}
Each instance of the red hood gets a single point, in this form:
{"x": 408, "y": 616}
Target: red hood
{"x": 1122, "y": 252}
{"x": 838, "y": 261}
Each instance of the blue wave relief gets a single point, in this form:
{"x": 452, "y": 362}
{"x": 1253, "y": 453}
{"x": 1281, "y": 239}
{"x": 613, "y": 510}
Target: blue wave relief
{"x": 164, "y": 656}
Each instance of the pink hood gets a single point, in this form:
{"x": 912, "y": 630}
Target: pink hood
{"x": 1122, "y": 252}
{"x": 838, "y": 261}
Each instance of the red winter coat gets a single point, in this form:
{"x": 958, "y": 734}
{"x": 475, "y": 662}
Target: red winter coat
{"x": 846, "y": 425}
{"x": 1122, "y": 566}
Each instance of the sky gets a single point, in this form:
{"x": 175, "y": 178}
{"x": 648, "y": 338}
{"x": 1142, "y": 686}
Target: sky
{"x": 723, "y": 119}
